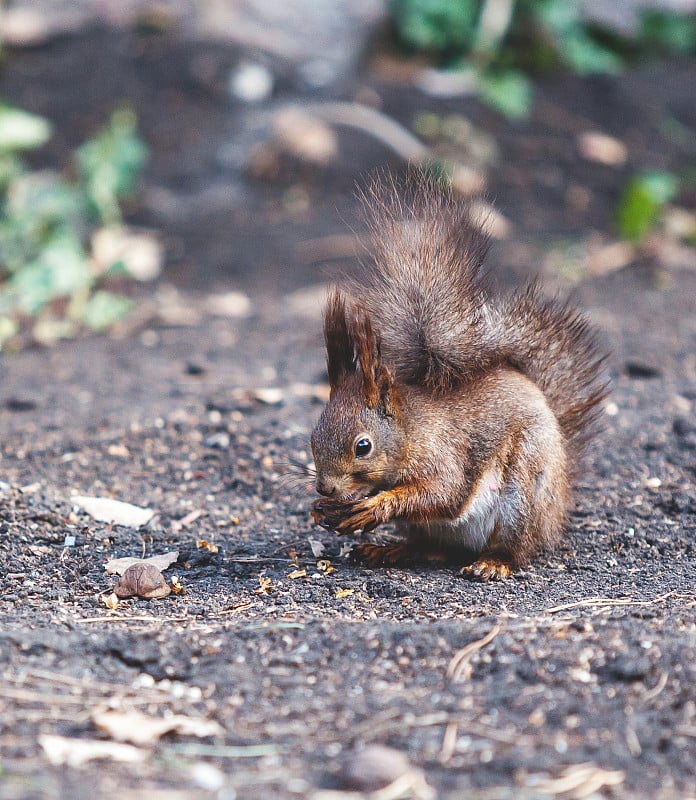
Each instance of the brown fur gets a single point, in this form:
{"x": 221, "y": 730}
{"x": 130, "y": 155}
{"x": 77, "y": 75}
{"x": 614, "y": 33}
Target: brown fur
{"x": 478, "y": 407}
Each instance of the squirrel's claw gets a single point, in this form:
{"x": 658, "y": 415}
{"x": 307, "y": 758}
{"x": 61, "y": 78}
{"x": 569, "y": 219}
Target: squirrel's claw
{"x": 345, "y": 517}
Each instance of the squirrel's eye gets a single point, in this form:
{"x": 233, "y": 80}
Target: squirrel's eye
{"x": 363, "y": 447}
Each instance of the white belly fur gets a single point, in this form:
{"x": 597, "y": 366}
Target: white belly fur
{"x": 472, "y": 529}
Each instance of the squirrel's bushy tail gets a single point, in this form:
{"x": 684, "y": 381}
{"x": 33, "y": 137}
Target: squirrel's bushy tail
{"x": 424, "y": 291}
{"x": 440, "y": 327}
{"x": 555, "y": 346}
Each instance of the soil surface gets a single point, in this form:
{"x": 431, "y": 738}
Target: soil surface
{"x": 581, "y": 678}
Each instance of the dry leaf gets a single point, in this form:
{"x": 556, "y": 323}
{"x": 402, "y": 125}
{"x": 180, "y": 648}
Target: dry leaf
{"x": 104, "y": 509}
{"x": 341, "y": 593}
{"x": 117, "y": 566}
{"x": 204, "y": 544}
{"x": 325, "y": 566}
{"x": 298, "y": 573}
{"x": 110, "y": 601}
{"x": 176, "y": 587}
{"x": 142, "y": 729}
{"x": 76, "y": 752}
{"x": 264, "y": 585}
{"x": 142, "y": 580}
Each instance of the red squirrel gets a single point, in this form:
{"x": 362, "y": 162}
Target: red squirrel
{"x": 460, "y": 414}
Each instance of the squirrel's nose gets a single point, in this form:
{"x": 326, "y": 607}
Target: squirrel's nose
{"x": 325, "y": 487}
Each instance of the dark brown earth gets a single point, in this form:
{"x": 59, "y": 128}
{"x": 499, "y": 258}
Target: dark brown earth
{"x": 590, "y": 655}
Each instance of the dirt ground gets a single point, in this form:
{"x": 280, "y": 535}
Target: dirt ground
{"x": 580, "y": 681}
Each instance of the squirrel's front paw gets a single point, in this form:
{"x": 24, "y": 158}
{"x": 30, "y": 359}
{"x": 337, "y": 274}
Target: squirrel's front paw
{"x": 346, "y": 517}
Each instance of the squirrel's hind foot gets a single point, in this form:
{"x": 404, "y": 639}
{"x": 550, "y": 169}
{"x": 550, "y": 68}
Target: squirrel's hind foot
{"x": 487, "y": 569}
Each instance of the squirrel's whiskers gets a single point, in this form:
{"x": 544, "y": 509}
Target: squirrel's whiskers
{"x": 296, "y": 475}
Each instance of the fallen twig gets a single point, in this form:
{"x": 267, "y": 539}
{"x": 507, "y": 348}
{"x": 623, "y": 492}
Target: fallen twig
{"x": 459, "y": 667}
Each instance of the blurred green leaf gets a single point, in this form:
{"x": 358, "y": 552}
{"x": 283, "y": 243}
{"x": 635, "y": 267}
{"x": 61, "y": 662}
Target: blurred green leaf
{"x": 438, "y": 25}
{"x": 40, "y": 201}
{"x": 59, "y": 270}
{"x": 104, "y": 309}
{"x": 37, "y": 204}
{"x": 560, "y": 17}
{"x": 588, "y": 57}
{"x": 20, "y": 130}
{"x": 10, "y": 168}
{"x": 110, "y": 165}
{"x": 668, "y": 31}
{"x": 509, "y": 92}
{"x": 642, "y": 201}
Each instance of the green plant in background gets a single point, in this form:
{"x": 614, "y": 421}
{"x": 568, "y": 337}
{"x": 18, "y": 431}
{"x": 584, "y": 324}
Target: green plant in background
{"x": 110, "y": 165}
{"x": 643, "y": 201}
{"x": 51, "y": 275}
{"x": 501, "y": 41}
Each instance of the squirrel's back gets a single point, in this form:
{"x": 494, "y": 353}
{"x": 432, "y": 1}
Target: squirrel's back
{"x": 439, "y": 325}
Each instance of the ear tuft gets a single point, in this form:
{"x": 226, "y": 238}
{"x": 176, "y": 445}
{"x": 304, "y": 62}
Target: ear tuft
{"x": 353, "y": 347}
{"x": 340, "y": 353}
{"x": 377, "y": 381}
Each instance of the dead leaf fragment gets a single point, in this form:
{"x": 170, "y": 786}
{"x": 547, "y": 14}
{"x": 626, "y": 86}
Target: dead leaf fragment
{"x": 114, "y": 512}
{"x": 341, "y": 593}
{"x": 117, "y": 566}
{"x": 265, "y": 585}
{"x": 176, "y": 587}
{"x": 142, "y": 729}
{"x": 142, "y": 580}
{"x": 110, "y": 601}
{"x": 324, "y": 565}
{"x": 204, "y": 544}
{"x": 298, "y": 573}
{"x": 76, "y": 752}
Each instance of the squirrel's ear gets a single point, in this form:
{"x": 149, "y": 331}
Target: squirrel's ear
{"x": 340, "y": 351}
{"x": 387, "y": 392}
{"x": 377, "y": 381}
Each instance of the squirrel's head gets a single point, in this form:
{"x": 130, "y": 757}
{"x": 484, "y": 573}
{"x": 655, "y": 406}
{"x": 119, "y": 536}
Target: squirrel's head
{"x": 358, "y": 441}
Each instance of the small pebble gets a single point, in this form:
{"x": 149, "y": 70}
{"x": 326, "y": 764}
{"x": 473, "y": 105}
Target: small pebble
{"x": 218, "y": 441}
{"x": 373, "y": 768}
{"x": 251, "y": 83}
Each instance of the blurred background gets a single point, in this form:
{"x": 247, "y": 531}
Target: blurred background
{"x": 154, "y": 147}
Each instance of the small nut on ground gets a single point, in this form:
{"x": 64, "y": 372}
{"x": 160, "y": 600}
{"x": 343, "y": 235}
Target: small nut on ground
{"x": 142, "y": 580}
